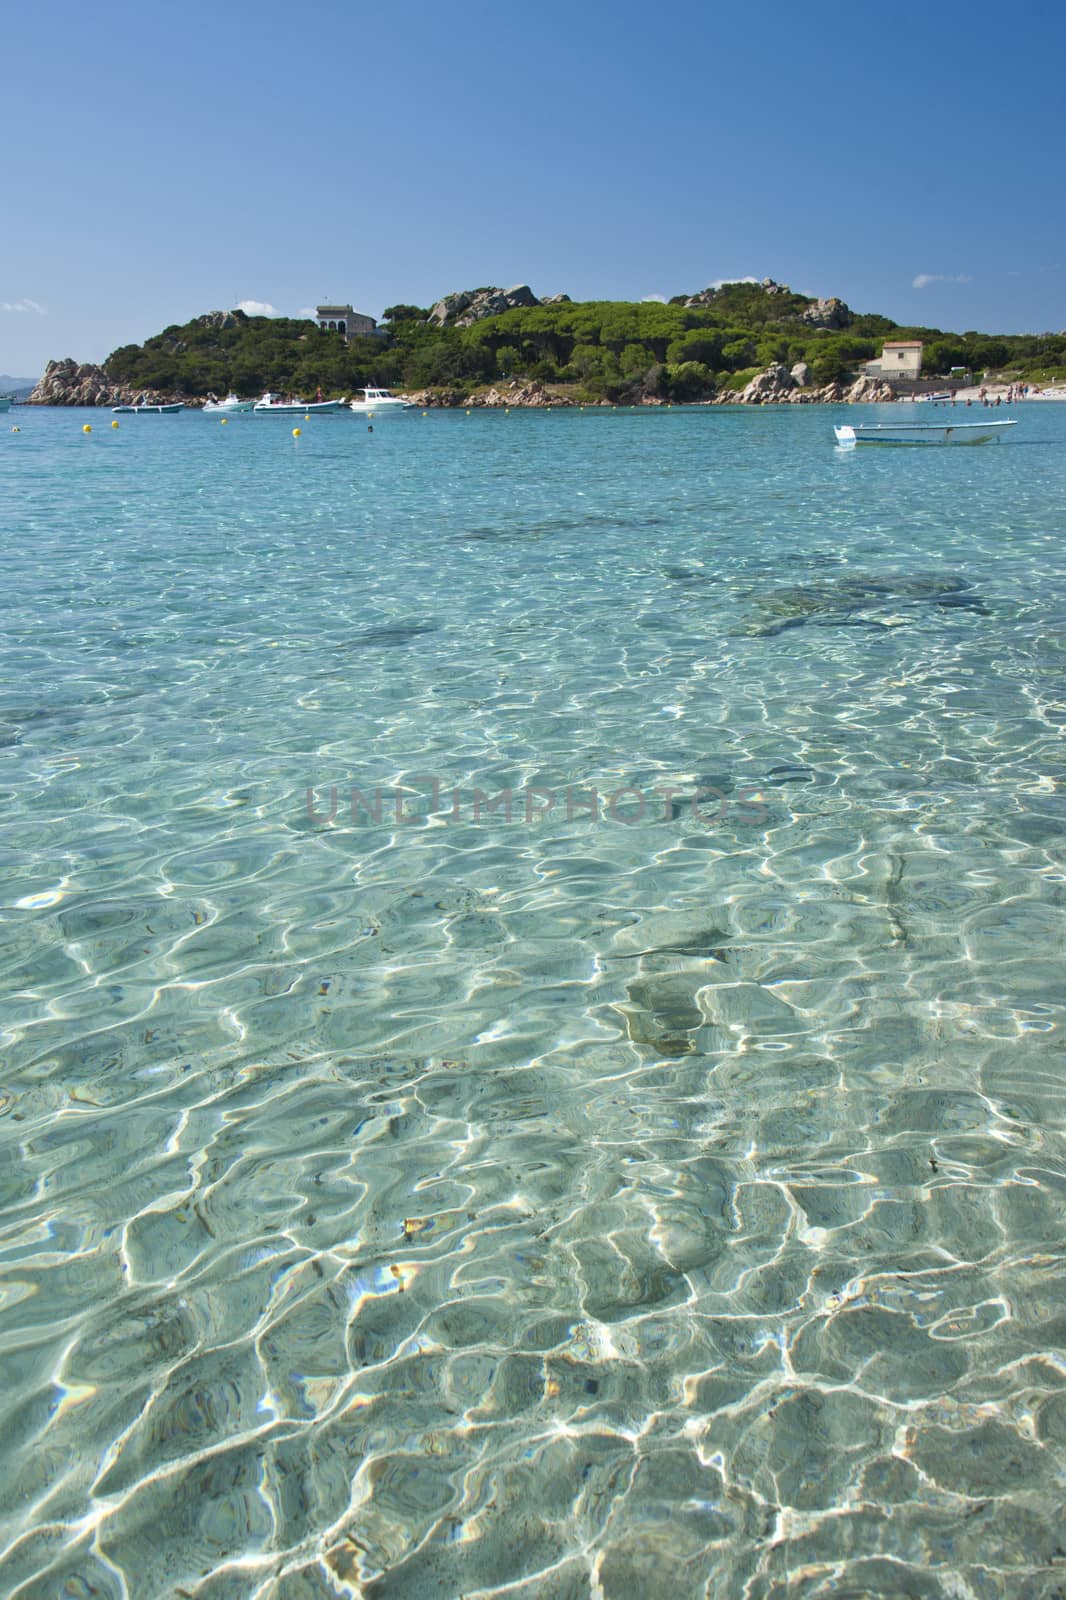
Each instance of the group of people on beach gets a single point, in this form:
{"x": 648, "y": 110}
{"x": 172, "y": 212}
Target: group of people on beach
{"x": 1015, "y": 392}
{"x": 1012, "y": 394}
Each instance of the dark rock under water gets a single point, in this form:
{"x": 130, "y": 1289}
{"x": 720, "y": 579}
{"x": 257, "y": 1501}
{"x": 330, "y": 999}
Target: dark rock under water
{"x": 390, "y": 633}
{"x": 837, "y": 602}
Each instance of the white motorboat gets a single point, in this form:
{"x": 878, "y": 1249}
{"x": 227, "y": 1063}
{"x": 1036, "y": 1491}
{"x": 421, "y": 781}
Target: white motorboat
{"x": 137, "y": 410}
{"x": 228, "y": 405}
{"x": 276, "y": 406}
{"x": 922, "y": 432}
{"x": 381, "y": 402}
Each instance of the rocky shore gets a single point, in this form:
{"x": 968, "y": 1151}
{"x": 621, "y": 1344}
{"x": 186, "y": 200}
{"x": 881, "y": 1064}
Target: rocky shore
{"x": 776, "y": 386}
{"x": 66, "y": 383}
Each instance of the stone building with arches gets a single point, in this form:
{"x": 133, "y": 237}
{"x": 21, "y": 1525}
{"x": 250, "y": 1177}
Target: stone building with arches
{"x": 345, "y": 321}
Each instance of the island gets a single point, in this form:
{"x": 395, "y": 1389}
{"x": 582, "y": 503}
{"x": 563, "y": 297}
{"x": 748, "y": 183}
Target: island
{"x": 742, "y": 342}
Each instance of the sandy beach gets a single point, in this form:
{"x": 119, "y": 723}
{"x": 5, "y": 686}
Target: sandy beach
{"x": 974, "y": 394}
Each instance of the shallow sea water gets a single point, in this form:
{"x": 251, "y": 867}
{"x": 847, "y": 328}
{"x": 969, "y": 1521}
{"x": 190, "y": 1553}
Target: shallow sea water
{"x": 557, "y": 1206}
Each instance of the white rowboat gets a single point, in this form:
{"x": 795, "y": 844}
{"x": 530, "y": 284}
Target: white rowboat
{"x": 921, "y": 432}
{"x": 136, "y": 411}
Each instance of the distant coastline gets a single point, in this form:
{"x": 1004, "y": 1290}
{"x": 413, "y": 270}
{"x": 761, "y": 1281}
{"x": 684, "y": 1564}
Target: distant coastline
{"x": 737, "y": 343}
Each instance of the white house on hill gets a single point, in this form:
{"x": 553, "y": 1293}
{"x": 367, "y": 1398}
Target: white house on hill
{"x": 899, "y": 359}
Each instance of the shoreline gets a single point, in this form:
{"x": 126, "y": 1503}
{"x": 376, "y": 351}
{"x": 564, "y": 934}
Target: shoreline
{"x": 772, "y": 387}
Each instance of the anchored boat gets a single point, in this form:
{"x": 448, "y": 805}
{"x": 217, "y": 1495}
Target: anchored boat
{"x": 922, "y": 432}
{"x": 228, "y": 405}
{"x": 136, "y": 410}
{"x": 381, "y": 402}
{"x": 278, "y": 407}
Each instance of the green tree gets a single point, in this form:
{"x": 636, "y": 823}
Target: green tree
{"x": 690, "y": 380}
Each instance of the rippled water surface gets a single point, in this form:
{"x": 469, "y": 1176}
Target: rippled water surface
{"x": 658, "y": 1192}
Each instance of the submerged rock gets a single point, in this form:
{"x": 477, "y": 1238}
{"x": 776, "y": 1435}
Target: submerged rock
{"x": 663, "y": 1014}
{"x": 839, "y": 600}
{"x": 390, "y": 633}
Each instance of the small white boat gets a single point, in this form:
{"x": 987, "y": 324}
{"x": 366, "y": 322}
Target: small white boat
{"x": 5, "y": 402}
{"x": 380, "y": 402}
{"x": 135, "y": 411}
{"x": 228, "y": 405}
{"x": 922, "y": 432}
{"x": 278, "y": 407}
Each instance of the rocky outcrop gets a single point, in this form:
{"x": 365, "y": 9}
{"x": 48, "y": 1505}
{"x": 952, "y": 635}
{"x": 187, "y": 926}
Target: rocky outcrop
{"x": 518, "y": 394}
{"x": 65, "y": 383}
{"x": 515, "y": 393}
{"x": 471, "y": 305}
{"x": 778, "y": 386}
{"x": 870, "y": 389}
{"x": 775, "y": 384}
{"x": 530, "y": 394}
{"x": 831, "y": 313}
{"x": 68, "y": 383}
{"x": 708, "y": 296}
{"x": 446, "y": 398}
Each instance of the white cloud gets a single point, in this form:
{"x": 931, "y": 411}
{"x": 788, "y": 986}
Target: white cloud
{"x": 308, "y": 311}
{"x": 258, "y": 308}
{"x": 659, "y": 298}
{"x": 923, "y": 279}
{"x": 23, "y": 305}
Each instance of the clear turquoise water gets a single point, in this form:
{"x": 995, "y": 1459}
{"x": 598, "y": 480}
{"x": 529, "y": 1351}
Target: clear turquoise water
{"x": 558, "y": 1208}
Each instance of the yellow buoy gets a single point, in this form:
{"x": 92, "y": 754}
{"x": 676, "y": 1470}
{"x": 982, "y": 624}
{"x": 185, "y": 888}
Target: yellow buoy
{"x": 307, "y": 416}
{"x": 425, "y": 413}
{"x": 115, "y": 423}
{"x": 296, "y": 433}
{"x": 224, "y": 421}
{"x": 16, "y": 430}
{"x": 468, "y": 413}
{"x": 87, "y": 427}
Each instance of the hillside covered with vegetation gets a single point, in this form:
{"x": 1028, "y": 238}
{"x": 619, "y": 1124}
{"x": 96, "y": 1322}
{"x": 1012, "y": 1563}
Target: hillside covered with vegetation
{"x": 688, "y": 349}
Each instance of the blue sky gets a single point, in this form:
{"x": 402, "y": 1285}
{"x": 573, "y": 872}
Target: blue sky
{"x": 163, "y": 161}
